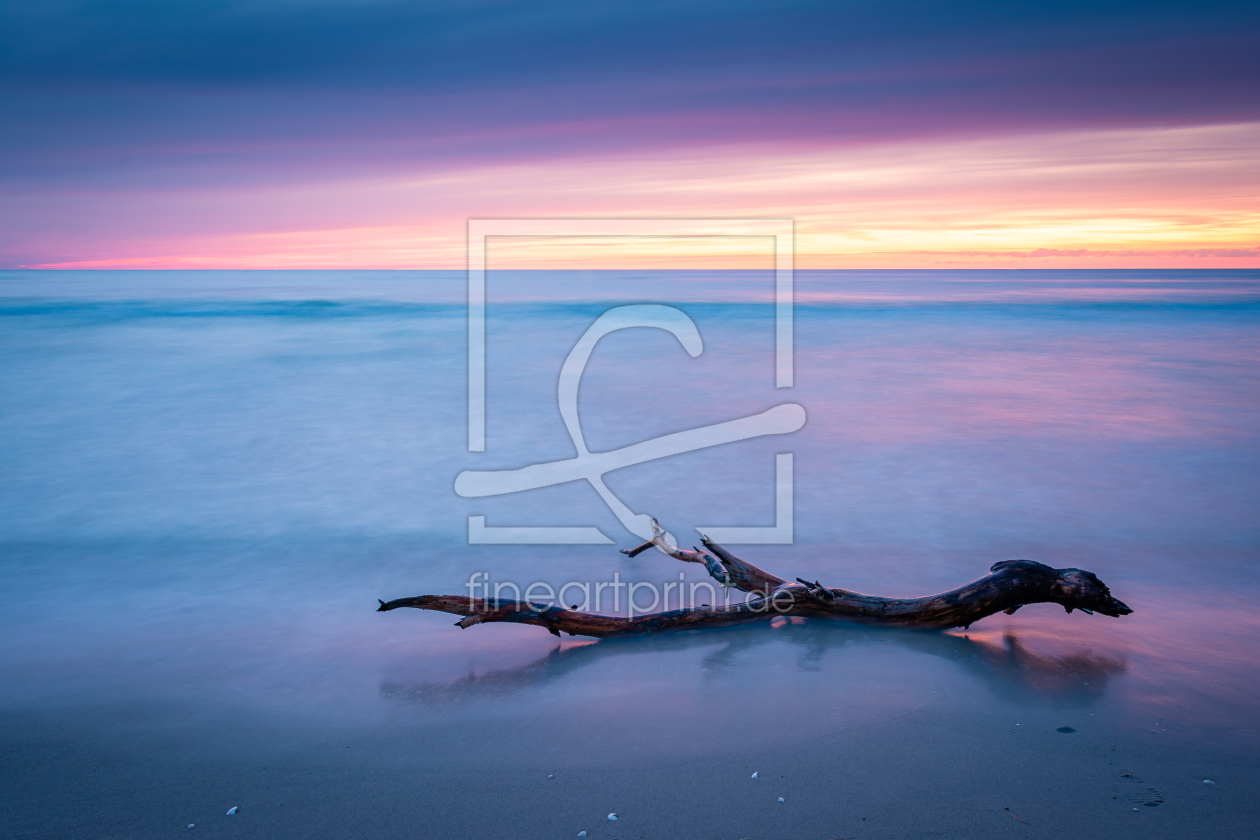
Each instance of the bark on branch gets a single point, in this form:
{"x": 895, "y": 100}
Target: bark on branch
{"x": 1009, "y": 585}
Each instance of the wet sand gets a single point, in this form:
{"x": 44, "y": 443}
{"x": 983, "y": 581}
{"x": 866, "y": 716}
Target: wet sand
{"x": 864, "y": 733}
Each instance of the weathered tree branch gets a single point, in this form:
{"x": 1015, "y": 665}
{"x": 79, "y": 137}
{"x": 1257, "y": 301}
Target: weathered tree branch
{"x": 1010, "y": 585}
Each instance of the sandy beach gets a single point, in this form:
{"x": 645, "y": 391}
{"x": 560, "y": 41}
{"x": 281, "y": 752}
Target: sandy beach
{"x": 862, "y": 734}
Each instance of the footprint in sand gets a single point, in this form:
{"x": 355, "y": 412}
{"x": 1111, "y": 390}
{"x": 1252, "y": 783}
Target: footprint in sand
{"x": 1129, "y": 788}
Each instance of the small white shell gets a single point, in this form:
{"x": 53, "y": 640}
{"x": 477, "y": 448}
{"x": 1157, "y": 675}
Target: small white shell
{"x": 780, "y": 798}
{"x": 190, "y": 825}
{"x": 754, "y": 775}
{"x": 612, "y": 817}
{"x": 1208, "y": 782}
{"x": 581, "y": 834}
{"x": 231, "y": 810}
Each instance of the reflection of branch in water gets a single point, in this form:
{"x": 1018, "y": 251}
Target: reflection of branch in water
{"x": 1011, "y": 670}
{"x": 1078, "y": 674}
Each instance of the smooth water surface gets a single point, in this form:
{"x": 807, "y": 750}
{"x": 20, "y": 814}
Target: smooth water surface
{"x": 207, "y": 480}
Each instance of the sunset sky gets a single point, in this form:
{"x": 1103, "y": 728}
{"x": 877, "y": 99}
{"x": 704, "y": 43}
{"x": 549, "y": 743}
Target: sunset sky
{"x": 334, "y": 134}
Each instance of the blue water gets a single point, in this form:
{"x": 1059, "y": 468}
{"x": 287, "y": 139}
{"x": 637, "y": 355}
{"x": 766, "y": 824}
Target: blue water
{"x": 208, "y": 478}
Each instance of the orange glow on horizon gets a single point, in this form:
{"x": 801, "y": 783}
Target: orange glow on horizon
{"x": 1138, "y": 198}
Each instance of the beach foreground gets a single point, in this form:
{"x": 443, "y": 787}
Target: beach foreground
{"x": 862, "y": 733}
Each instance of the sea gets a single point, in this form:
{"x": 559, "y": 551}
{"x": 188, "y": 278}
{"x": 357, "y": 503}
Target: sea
{"x": 209, "y": 479}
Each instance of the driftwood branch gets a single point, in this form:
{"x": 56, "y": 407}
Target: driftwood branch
{"x": 1009, "y": 585}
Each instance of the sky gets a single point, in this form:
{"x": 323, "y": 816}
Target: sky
{"x": 898, "y": 134}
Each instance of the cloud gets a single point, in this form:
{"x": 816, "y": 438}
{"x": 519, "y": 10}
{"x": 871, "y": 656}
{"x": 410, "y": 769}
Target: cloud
{"x": 152, "y": 91}
{"x": 131, "y": 122}
{"x": 1094, "y": 253}
{"x": 1087, "y": 198}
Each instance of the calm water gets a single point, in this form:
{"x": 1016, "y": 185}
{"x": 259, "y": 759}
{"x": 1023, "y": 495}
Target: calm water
{"x": 208, "y": 478}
